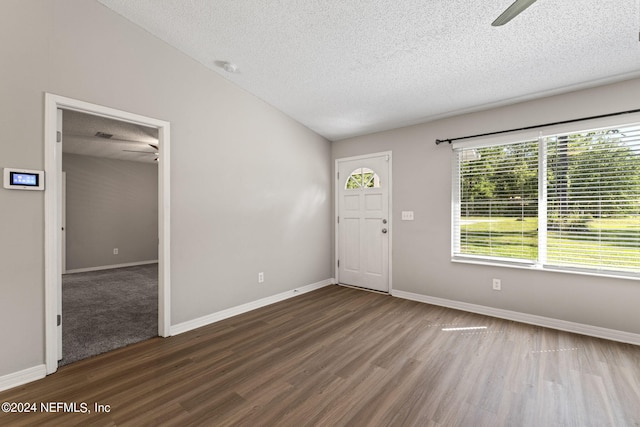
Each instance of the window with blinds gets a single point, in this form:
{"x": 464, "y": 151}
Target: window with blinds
{"x": 565, "y": 201}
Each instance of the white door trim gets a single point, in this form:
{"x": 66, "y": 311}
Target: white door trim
{"x": 53, "y": 214}
{"x": 336, "y": 204}
{"x": 63, "y": 225}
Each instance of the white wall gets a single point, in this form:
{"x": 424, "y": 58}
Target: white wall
{"x": 110, "y": 204}
{"x": 422, "y": 248}
{"x": 250, "y": 187}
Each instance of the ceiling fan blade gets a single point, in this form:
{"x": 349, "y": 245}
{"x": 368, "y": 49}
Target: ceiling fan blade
{"x": 125, "y": 140}
{"x": 512, "y": 11}
{"x": 115, "y": 139}
{"x": 100, "y": 136}
{"x": 110, "y": 137}
{"x": 140, "y": 151}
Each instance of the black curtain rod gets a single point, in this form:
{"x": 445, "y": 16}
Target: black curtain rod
{"x": 450, "y": 140}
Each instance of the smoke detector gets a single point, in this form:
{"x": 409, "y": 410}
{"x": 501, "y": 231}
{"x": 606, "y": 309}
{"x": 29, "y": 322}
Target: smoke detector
{"x": 229, "y": 67}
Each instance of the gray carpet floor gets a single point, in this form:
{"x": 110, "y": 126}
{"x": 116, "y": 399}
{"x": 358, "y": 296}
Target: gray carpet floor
{"x": 108, "y": 309}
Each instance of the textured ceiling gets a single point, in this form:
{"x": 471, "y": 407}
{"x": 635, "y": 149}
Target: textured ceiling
{"x": 128, "y": 141}
{"x": 347, "y": 67}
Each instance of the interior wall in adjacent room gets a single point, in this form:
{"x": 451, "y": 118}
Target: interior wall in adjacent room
{"x": 110, "y": 204}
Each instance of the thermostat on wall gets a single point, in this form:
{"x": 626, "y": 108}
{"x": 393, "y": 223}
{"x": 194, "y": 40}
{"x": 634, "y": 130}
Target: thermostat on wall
{"x": 23, "y": 179}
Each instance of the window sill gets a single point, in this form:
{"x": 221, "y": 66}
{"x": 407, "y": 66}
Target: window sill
{"x": 539, "y": 267}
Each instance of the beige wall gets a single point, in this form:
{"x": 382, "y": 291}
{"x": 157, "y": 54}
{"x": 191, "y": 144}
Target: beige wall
{"x": 250, "y": 188}
{"x": 110, "y": 204}
{"x": 422, "y": 248}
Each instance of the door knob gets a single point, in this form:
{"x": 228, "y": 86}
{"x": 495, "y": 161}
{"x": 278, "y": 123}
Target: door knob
{"x": 384, "y": 231}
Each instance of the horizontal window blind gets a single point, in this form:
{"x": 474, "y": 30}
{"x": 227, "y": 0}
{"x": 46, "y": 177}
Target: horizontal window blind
{"x": 498, "y": 201}
{"x": 564, "y": 201}
{"x": 593, "y": 199}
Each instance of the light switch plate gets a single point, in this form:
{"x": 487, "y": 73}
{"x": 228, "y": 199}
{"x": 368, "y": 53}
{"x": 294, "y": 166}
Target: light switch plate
{"x": 407, "y": 215}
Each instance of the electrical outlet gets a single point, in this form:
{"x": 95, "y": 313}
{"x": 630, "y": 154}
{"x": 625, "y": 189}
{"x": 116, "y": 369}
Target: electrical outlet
{"x": 497, "y": 285}
{"x": 261, "y": 277}
{"x": 115, "y": 251}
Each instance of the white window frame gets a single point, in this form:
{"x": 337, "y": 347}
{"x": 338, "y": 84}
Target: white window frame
{"x": 528, "y": 135}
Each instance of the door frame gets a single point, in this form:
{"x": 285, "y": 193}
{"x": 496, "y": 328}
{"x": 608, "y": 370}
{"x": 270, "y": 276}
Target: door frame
{"x": 336, "y": 212}
{"x": 53, "y": 220}
{"x": 63, "y": 224}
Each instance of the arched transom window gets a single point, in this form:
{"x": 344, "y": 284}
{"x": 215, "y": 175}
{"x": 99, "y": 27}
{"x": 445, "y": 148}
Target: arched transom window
{"x": 362, "y": 178}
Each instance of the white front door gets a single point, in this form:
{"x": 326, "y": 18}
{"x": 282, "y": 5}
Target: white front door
{"x": 364, "y": 227}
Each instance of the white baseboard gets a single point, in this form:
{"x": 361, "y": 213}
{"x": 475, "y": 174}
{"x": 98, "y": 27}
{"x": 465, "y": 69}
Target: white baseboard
{"x": 22, "y": 377}
{"x": 562, "y": 325}
{"x": 240, "y": 309}
{"x": 109, "y": 267}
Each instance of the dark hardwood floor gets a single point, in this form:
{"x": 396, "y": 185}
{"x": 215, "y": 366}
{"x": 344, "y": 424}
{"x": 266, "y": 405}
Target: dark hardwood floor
{"x": 339, "y": 356}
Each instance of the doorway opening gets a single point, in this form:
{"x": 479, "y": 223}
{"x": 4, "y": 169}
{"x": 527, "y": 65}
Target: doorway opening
{"x": 54, "y": 316}
{"x": 109, "y": 232}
